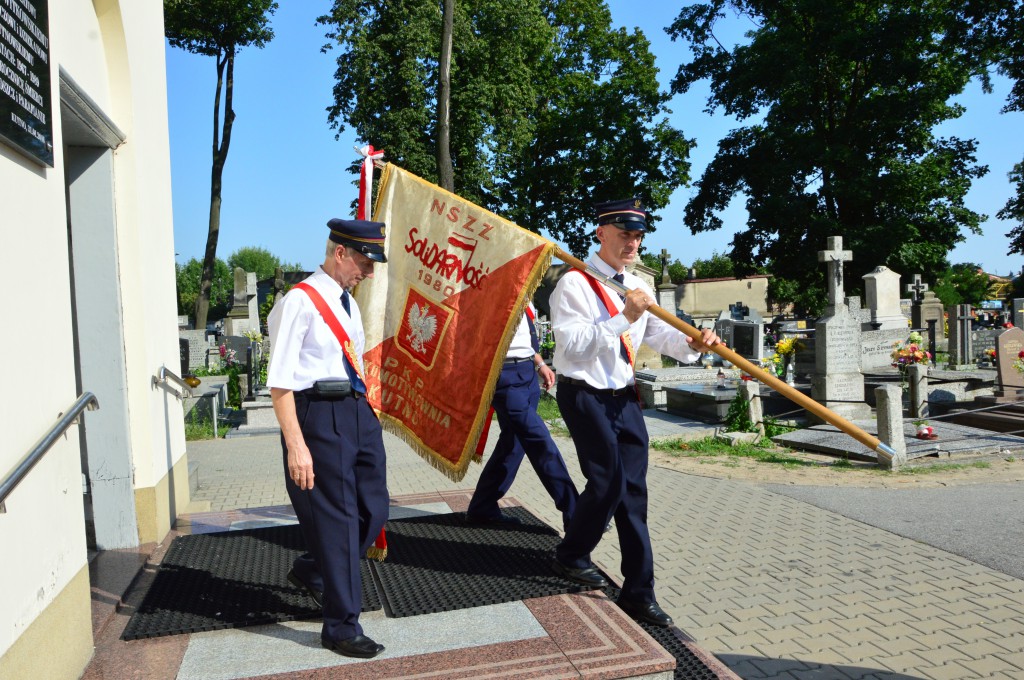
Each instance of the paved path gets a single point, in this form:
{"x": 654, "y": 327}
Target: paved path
{"x": 774, "y": 585}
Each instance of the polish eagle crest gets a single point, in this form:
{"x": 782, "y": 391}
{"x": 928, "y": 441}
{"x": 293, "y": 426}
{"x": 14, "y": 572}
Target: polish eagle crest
{"x": 422, "y": 327}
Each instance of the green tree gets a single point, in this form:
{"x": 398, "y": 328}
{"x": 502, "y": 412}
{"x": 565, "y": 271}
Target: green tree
{"x": 676, "y": 269}
{"x": 222, "y": 288}
{"x": 567, "y": 113}
{"x": 716, "y": 266}
{"x": 962, "y": 284}
{"x": 841, "y": 101}
{"x": 217, "y": 28}
{"x": 260, "y": 261}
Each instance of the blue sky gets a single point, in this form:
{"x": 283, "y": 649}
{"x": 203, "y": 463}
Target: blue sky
{"x": 286, "y": 174}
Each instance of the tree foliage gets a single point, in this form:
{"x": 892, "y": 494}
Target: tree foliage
{"x": 260, "y": 261}
{"x": 217, "y": 28}
{"x": 222, "y": 288}
{"x": 551, "y": 108}
{"x": 962, "y": 284}
{"x": 676, "y": 269}
{"x": 841, "y": 101}
{"x": 719, "y": 265}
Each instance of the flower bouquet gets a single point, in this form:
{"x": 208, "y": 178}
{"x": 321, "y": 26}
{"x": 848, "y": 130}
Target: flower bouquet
{"x": 910, "y": 352}
{"x": 1018, "y": 363}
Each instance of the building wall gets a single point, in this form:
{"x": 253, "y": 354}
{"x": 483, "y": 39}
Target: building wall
{"x": 704, "y": 299}
{"x": 115, "y": 52}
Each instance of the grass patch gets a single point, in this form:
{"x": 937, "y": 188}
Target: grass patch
{"x": 203, "y": 429}
{"x": 709, "y": 447}
{"x": 943, "y": 467}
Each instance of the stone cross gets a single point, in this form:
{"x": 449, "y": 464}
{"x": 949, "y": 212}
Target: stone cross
{"x": 664, "y": 267}
{"x": 835, "y": 256}
{"x": 916, "y": 288}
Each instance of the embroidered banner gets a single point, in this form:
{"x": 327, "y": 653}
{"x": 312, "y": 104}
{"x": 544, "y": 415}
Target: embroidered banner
{"x": 439, "y": 315}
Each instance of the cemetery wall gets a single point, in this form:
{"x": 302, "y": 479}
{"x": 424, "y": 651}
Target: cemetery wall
{"x": 45, "y": 593}
{"x": 706, "y": 298}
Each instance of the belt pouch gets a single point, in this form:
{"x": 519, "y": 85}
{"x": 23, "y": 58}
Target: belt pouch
{"x": 332, "y": 389}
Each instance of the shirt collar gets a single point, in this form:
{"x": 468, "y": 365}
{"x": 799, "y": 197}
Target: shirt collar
{"x": 327, "y": 281}
{"x": 602, "y": 266}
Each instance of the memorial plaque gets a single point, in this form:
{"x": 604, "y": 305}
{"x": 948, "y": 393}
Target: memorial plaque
{"x": 876, "y": 347}
{"x": 748, "y": 340}
{"x": 26, "y": 109}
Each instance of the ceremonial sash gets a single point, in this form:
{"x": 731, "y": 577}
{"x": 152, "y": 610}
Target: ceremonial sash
{"x": 379, "y": 549}
{"x": 602, "y": 294}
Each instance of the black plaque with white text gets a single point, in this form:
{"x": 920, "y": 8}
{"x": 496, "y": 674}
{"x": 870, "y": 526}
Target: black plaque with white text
{"x": 26, "y": 109}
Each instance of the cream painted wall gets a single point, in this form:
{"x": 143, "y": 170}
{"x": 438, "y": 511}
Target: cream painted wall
{"x": 42, "y": 535}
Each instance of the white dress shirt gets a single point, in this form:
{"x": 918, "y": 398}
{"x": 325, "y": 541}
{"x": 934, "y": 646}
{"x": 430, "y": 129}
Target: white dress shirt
{"x": 303, "y": 349}
{"x": 521, "y": 346}
{"x": 587, "y": 337}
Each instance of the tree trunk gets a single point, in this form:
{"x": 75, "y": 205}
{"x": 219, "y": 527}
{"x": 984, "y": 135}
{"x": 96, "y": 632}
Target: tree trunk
{"x": 221, "y": 142}
{"x": 445, "y": 172}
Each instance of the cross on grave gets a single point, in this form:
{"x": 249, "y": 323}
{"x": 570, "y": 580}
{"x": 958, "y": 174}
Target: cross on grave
{"x": 664, "y": 267}
{"x": 835, "y": 256}
{"x": 916, "y": 288}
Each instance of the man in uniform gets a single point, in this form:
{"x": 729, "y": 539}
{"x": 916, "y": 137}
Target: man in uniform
{"x": 596, "y": 332}
{"x": 523, "y": 432}
{"x": 333, "y": 448}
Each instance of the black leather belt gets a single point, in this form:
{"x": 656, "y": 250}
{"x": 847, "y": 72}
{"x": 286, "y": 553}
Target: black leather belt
{"x": 584, "y": 385}
{"x": 513, "y": 362}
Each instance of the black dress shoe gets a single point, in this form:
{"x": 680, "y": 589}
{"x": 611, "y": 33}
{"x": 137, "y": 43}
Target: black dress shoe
{"x": 648, "y": 612}
{"x": 317, "y": 596}
{"x": 588, "y": 576}
{"x": 360, "y": 647}
{"x": 500, "y": 520}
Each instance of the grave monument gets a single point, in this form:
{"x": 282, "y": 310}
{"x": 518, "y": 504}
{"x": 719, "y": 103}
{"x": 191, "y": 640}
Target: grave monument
{"x": 244, "y": 314}
{"x": 837, "y": 382}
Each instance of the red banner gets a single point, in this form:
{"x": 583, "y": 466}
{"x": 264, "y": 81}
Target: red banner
{"x": 440, "y": 314}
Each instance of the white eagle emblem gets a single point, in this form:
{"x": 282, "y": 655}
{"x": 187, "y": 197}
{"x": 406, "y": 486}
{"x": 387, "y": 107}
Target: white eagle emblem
{"x": 422, "y": 327}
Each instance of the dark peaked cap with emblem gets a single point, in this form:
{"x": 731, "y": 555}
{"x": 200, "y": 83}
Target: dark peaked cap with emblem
{"x": 628, "y": 214}
{"x": 362, "y": 235}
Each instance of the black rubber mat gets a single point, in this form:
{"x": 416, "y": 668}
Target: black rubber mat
{"x": 438, "y": 563}
{"x": 229, "y": 579}
{"x": 689, "y": 666}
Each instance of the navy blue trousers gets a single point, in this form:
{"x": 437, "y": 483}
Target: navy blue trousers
{"x": 611, "y": 442}
{"x": 341, "y": 516}
{"x": 523, "y": 432}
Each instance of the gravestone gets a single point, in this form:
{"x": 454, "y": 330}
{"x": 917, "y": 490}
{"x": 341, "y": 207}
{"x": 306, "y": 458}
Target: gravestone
{"x": 748, "y": 340}
{"x": 1009, "y": 344}
{"x": 916, "y": 288}
{"x": 876, "y": 347}
{"x": 183, "y": 355}
{"x": 1017, "y": 312}
{"x": 861, "y": 314}
{"x": 837, "y": 382}
{"x": 961, "y": 351}
{"x": 240, "y": 346}
{"x": 244, "y": 314}
{"x": 929, "y": 309}
{"x": 882, "y": 288}
{"x": 198, "y": 344}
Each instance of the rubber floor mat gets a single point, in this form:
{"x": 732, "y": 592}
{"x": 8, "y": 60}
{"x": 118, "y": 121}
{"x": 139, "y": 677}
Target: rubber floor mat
{"x": 439, "y": 563}
{"x": 229, "y": 579}
{"x": 689, "y": 666}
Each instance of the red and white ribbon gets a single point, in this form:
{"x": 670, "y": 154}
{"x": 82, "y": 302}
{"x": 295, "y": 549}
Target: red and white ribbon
{"x": 369, "y": 155}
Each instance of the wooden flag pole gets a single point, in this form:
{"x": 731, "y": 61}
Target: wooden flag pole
{"x": 884, "y": 451}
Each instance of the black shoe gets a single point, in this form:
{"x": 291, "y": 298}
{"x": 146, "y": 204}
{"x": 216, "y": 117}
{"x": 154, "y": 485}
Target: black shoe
{"x": 588, "y": 576}
{"x": 648, "y": 612}
{"x": 360, "y": 646}
{"x": 317, "y": 596}
{"x": 501, "y": 519}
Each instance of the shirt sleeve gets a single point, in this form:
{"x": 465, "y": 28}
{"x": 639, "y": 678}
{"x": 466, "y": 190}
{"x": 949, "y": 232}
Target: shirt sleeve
{"x": 288, "y": 324}
{"x": 577, "y": 331}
